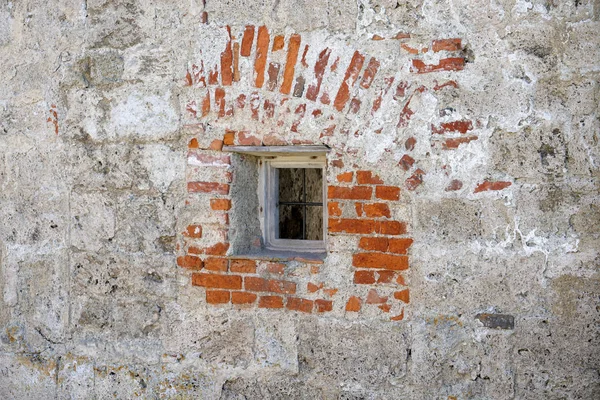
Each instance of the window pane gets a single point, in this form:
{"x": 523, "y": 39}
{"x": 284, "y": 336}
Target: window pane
{"x": 314, "y": 185}
{"x": 290, "y": 222}
{"x": 314, "y": 223}
{"x": 290, "y": 184}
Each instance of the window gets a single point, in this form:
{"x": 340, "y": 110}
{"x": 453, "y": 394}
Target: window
{"x": 291, "y": 196}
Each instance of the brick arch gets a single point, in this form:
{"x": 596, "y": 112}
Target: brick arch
{"x": 269, "y": 89}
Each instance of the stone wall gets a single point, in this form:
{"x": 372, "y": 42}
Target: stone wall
{"x": 462, "y": 248}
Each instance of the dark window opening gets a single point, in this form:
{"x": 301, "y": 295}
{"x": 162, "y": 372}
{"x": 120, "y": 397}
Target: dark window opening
{"x": 300, "y": 203}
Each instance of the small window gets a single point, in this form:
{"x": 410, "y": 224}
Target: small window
{"x": 291, "y": 194}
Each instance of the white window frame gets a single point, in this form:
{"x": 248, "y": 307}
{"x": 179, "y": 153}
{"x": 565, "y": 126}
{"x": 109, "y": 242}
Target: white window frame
{"x": 271, "y": 158}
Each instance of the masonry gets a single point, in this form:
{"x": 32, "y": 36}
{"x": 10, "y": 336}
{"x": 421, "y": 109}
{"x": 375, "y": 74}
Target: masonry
{"x": 461, "y": 199}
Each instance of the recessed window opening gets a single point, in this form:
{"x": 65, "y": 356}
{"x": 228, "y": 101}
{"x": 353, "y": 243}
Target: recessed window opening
{"x": 300, "y": 203}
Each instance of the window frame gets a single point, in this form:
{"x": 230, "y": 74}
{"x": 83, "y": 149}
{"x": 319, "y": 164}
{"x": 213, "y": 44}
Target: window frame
{"x": 269, "y": 157}
{"x": 268, "y": 195}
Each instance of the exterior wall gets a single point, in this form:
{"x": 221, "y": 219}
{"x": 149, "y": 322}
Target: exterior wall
{"x": 462, "y": 246}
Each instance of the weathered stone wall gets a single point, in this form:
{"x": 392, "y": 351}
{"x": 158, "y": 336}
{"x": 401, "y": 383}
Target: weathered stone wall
{"x": 463, "y": 180}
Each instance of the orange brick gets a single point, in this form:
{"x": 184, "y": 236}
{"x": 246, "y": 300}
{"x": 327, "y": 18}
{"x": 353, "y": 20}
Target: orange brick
{"x": 189, "y": 262}
{"x": 367, "y": 178}
{"x": 373, "y": 243}
{"x": 193, "y": 231}
{"x": 380, "y": 261}
{"x": 220, "y": 204}
{"x": 353, "y": 304}
{"x": 400, "y": 280}
{"x": 399, "y": 246}
{"x": 392, "y": 228}
{"x": 398, "y": 317}
{"x": 333, "y": 209}
{"x": 219, "y": 249}
{"x": 298, "y": 304}
{"x": 242, "y": 298}
{"x": 270, "y": 302}
{"x": 364, "y": 277}
{"x": 345, "y": 177}
{"x": 385, "y": 276}
{"x": 247, "y": 40}
{"x": 377, "y": 210}
{"x": 311, "y": 287}
{"x": 216, "y": 264}
{"x": 402, "y": 295}
{"x": 208, "y": 187}
{"x": 229, "y": 138}
{"x": 193, "y": 144}
{"x": 361, "y": 226}
{"x": 256, "y": 284}
{"x": 330, "y": 292}
{"x": 387, "y": 192}
{"x": 453, "y": 44}
{"x": 217, "y": 296}
{"x": 290, "y": 64}
{"x": 217, "y": 281}
{"x": 349, "y": 193}
{"x": 359, "y": 209}
{"x": 385, "y": 307}
{"x": 349, "y": 79}
{"x": 243, "y": 266}
{"x": 323, "y": 305}
{"x": 262, "y": 48}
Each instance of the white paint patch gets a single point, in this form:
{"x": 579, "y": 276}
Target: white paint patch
{"x": 144, "y": 115}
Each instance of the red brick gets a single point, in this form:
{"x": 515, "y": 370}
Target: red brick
{"x": 217, "y": 296}
{"x": 374, "y": 243}
{"x": 402, "y": 295}
{"x": 290, "y": 64}
{"x": 217, "y": 281}
{"x": 367, "y": 178}
{"x": 385, "y": 308}
{"x": 400, "y": 280}
{"x": 453, "y": 143}
{"x": 333, "y": 209}
{"x": 247, "y": 40}
{"x": 352, "y": 72}
{"x": 398, "y": 317}
{"x": 392, "y": 228}
{"x": 406, "y": 162}
{"x": 219, "y": 249}
{"x": 364, "y": 277}
{"x": 345, "y": 177}
{"x": 220, "y": 204}
{"x": 311, "y": 287}
{"x": 454, "y": 185}
{"x": 216, "y": 264}
{"x": 245, "y": 139}
{"x": 298, "y": 304}
{"x": 220, "y": 101}
{"x": 208, "y": 187}
{"x": 189, "y": 262}
{"x": 270, "y": 302}
{"x": 353, "y": 304}
{"x": 273, "y": 73}
{"x": 193, "y": 144}
{"x": 359, "y": 209}
{"x": 446, "y": 64}
{"x": 355, "y": 105}
{"x": 313, "y": 90}
{"x": 243, "y": 266}
{"x": 243, "y": 298}
{"x": 380, "y": 261}
{"x": 414, "y": 180}
{"x": 489, "y": 185}
{"x": 278, "y": 43}
{"x": 262, "y": 48}
{"x": 269, "y": 285}
{"x": 193, "y": 231}
{"x": 275, "y": 268}
{"x": 349, "y": 193}
{"x": 206, "y": 104}
{"x": 453, "y": 44}
{"x": 330, "y": 292}
{"x": 387, "y": 192}
{"x": 385, "y": 276}
{"x": 374, "y": 298}
{"x": 461, "y": 126}
{"x": 236, "y": 62}
{"x": 323, "y": 305}
{"x": 399, "y": 246}
{"x": 272, "y": 139}
{"x": 226, "y": 62}
{"x": 303, "y": 60}
{"x": 377, "y": 210}
{"x": 360, "y": 226}
{"x": 409, "y": 144}
{"x": 216, "y": 145}
{"x": 369, "y": 73}
{"x": 202, "y": 159}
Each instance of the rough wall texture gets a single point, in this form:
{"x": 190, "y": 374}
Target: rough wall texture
{"x": 463, "y": 200}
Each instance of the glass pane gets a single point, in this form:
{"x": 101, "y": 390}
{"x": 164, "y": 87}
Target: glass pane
{"x": 314, "y": 185}
{"x": 314, "y": 223}
{"x": 290, "y": 222}
{"x": 290, "y": 184}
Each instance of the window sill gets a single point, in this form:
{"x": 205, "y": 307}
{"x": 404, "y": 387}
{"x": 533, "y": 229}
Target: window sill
{"x": 283, "y": 256}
